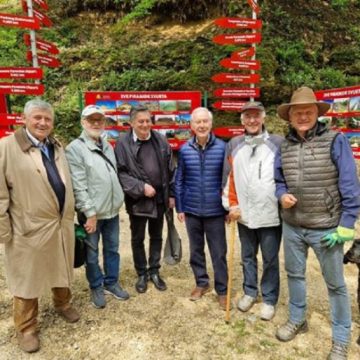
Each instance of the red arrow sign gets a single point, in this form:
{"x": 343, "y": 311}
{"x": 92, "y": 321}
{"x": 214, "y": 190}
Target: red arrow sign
{"x": 46, "y": 60}
{"x": 240, "y": 64}
{"x": 18, "y": 21}
{"x": 238, "y": 23}
{"x": 20, "y": 73}
{"x": 3, "y": 105}
{"x": 240, "y": 54}
{"x": 10, "y": 119}
{"x": 5, "y": 132}
{"x": 254, "y": 5}
{"x": 44, "y": 20}
{"x": 229, "y": 105}
{"x": 42, "y": 45}
{"x": 42, "y": 4}
{"x": 21, "y": 89}
{"x": 237, "y": 92}
{"x": 234, "y": 78}
{"x": 237, "y": 39}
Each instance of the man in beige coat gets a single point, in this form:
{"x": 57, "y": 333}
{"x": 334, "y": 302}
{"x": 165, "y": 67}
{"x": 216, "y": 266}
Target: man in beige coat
{"x": 36, "y": 220}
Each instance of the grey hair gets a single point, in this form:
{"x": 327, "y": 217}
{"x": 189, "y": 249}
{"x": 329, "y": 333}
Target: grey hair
{"x": 39, "y": 104}
{"x": 137, "y": 109}
{"x": 262, "y": 112}
{"x": 201, "y": 109}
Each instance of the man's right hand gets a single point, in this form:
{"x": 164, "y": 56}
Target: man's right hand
{"x": 149, "y": 191}
{"x": 90, "y": 225}
{"x": 288, "y": 200}
{"x": 234, "y": 213}
{"x": 181, "y": 217}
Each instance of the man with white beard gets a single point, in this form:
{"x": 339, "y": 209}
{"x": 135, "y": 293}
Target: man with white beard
{"x": 98, "y": 198}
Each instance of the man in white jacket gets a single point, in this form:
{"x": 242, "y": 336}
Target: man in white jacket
{"x": 249, "y": 195}
{"x": 98, "y": 198}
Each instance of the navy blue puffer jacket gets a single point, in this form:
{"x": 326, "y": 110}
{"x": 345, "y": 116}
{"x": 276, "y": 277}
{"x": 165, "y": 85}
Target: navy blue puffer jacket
{"x": 198, "y": 178}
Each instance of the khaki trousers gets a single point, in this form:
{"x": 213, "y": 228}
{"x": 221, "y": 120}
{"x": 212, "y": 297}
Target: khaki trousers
{"x": 26, "y": 310}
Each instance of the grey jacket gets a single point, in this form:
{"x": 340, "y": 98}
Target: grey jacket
{"x": 96, "y": 185}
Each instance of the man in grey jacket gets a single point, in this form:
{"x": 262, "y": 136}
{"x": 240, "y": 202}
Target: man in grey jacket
{"x": 98, "y": 198}
{"x": 146, "y": 168}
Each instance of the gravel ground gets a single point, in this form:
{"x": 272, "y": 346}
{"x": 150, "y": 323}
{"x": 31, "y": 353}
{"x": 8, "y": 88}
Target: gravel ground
{"x": 166, "y": 325}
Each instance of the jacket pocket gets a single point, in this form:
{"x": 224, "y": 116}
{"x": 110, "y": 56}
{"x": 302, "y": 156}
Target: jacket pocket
{"x": 145, "y": 207}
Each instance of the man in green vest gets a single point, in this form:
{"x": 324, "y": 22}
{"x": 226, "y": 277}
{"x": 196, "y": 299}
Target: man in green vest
{"x": 319, "y": 192}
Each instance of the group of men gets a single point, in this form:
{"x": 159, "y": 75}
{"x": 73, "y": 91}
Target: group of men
{"x": 303, "y": 188}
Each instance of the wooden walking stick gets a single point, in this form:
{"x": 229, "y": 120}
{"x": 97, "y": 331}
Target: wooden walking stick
{"x": 230, "y": 268}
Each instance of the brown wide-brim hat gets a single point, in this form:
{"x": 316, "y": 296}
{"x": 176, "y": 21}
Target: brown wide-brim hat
{"x": 302, "y": 96}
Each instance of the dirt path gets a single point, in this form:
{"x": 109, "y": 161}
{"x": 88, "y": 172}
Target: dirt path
{"x": 167, "y": 325}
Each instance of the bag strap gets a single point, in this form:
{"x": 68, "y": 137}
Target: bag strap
{"x": 99, "y": 152}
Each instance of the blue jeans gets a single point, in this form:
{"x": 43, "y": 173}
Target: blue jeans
{"x": 109, "y": 230}
{"x": 296, "y": 243}
{"x": 268, "y": 239}
{"x": 214, "y": 230}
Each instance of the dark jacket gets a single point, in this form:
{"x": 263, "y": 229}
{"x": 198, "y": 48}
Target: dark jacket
{"x": 198, "y": 178}
{"x": 133, "y": 178}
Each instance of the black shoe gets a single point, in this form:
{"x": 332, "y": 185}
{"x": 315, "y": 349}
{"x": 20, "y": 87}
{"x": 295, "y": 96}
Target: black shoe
{"x": 158, "y": 282}
{"x": 141, "y": 284}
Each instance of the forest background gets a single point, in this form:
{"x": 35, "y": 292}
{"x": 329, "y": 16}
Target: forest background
{"x": 166, "y": 45}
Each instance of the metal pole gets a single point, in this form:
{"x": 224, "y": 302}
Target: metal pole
{"x": 33, "y": 39}
{"x": 252, "y": 86}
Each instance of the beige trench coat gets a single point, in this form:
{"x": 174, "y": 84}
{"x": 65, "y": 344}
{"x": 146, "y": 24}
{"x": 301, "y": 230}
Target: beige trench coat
{"x": 39, "y": 241}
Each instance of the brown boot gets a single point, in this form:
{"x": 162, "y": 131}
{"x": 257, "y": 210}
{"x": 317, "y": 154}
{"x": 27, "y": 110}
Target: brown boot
{"x": 70, "y": 314}
{"x": 198, "y": 292}
{"x": 222, "y": 302}
{"x": 28, "y": 341}
{"x": 61, "y": 298}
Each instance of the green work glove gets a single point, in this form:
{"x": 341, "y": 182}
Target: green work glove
{"x": 341, "y": 235}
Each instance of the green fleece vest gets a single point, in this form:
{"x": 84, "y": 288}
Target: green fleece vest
{"x": 312, "y": 178}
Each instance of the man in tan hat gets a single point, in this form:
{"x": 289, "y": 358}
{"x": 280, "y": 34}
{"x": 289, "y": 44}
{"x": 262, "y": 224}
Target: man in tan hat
{"x": 319, "y": 192}
{"x": 249, "y": 195}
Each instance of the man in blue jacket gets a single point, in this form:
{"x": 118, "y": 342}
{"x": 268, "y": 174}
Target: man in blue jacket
{"x": 198, "y": 202}
{"x": 318, "y": 188}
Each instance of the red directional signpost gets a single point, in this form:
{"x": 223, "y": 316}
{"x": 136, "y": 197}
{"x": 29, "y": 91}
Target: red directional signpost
{"x": 240, "y": 64}
{"x": 46, "y": 60}
{"x": 237, "y": 92}
{"x": 241, "y": 54}
{"x": 254, "y": 6}
{"x": 19, "y": 21}
{"x": 42, "y": 45}
{"x": 238, "y": 23}
{"x": 229, "y": 105}
{"x": 225, "y": 39}
{"x": 42, "y": 4}
{"x": 236, "y": 78}
{"x": 20, "y": 73}
{"x": 35, "y": 19}
{"x": 21, "y": 89}
{"x": 11, "y": 119}
{"x": 241, "y": 59}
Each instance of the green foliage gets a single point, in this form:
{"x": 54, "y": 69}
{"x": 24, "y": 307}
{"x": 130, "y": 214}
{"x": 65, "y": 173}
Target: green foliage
{"x": 141, "y": 10}
{"x": 339, "y": 4}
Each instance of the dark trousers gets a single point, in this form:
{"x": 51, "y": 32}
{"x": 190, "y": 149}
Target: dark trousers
{"x": 155, "y": 227}
{"x": 214, "y": 230}
{"x": 268, "y": 239}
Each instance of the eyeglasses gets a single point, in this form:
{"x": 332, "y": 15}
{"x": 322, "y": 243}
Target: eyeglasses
{"x": 93, "y": 121}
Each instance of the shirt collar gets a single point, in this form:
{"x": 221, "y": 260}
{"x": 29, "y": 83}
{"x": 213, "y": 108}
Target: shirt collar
{"x": 200, "y": 146}
{"x": 135, "y": 138}
{"x": 35, "y": 141}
